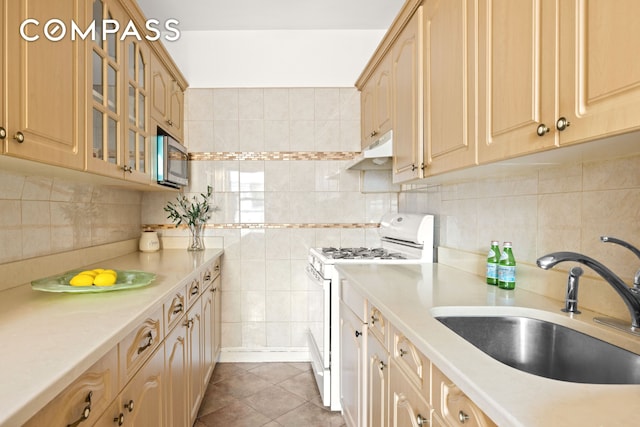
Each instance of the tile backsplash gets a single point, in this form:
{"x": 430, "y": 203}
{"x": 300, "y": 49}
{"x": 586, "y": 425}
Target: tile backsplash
{"x": 276, "y": 161}
{"x": 42, "y": 215}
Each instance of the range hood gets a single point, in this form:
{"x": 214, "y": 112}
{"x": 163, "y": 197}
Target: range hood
{"x": 376, "y": 156}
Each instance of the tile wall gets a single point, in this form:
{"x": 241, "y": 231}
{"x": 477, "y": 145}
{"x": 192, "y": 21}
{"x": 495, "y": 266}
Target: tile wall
{"x": 270, "y": 210}
{"x": 42, "y": 215}
{"x": 557, "y": 208}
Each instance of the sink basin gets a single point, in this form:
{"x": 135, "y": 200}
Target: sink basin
{"x": 547, "y": 349}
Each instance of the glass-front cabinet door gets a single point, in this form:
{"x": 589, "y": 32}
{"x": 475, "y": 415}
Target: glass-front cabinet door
{"x": 118, "y": 116}
{"x": 136, "y": 153}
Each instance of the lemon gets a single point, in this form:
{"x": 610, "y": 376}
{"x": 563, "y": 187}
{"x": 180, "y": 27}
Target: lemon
{"x": 111, "y": 272}
{"x": 104, "y": 279}
{"x": 98, "y": 270}
{"x": 89, "y": 273}
{"x": 81, "y": 280}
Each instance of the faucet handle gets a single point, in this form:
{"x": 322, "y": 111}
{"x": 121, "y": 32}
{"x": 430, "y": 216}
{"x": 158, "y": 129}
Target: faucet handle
{"x": 571, "y": 298}
{"x": 622, "y": 243}
{"x": 635, "y": 250}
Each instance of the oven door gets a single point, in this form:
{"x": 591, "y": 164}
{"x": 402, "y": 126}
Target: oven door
{"x": 319, "y": 329}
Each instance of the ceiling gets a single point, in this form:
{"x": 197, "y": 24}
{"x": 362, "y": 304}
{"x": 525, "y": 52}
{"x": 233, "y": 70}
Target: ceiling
{"x": 212, "y": 15}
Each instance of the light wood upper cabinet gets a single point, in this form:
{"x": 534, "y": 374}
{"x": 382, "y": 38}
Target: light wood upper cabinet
{"x": 450, "y": 85}
{"x": 45, "y": 92}
{"x": 3, "y": 89}
{"x": 516, "y": 77}
{"x": 407, "y": 89}
{"x": 118, "y": 117}
{"x": 167, "y": 100}
{"x": 376, "y": 103}
{"x": 599, "y": 72}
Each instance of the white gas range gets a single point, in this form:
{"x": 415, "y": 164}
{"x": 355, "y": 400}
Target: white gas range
{"x": 404, "y": 239}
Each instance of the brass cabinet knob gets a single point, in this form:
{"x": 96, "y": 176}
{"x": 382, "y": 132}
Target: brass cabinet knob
{"x": 3, "y": 133}
{"x": 542, "y": 130}
{"x": 19, "y": 136}
{"x": 562, "y": 124}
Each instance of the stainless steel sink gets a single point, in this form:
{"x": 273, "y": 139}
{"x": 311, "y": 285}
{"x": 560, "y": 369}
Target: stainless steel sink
{"x": 547, "y": 349}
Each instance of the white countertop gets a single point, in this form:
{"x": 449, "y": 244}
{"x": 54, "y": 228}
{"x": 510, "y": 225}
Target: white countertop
{"x": 406, "y": 296}
{"x": 49, "y": 339}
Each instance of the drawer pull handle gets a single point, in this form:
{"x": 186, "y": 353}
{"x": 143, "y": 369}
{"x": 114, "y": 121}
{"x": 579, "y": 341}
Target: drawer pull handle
{"x": 542, "y": 130}
{"x": 358, "y": 333}
{"x": 381, "y": 366}
{"x": 207, "y": 276}
{"x": 403, "y": 352}
{"x": 119, "y": 419}
{"x": 129, "y": 406}
{"x": 422, "y": 421}
{"x": 195, "y": 290}
{"x": 147, "y": 344}
{"x": 19, "y": 136}
{"x": 178, "y": 308}
{"x": 188, "y": 323}
{"x": 462, "y": 417}
{"x": 85, "y": 412}
{"x": 562, "y": 124}
{"x": 217, "y": 268}
{"x": 374, "y": 319}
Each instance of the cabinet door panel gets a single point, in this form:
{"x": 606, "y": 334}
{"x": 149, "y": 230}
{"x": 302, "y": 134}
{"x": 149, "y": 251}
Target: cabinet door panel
{"x": 450, "y": 35}
{"x": 408, "y": 407}
{"x": 516, "y": 59}
{"x": 46, "y": 94}
{"x": 176, "y": 355}
{"x": 378, "y": 380}
{"x": 352, "y": 384}
{"x": 407, "y": 101}
{"x": 599, "y": 71}
{"x": 143, "y": 399}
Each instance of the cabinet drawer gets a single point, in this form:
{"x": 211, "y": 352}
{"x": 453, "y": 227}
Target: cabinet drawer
{"x": 210, "y": 272}
{"x": 378, "y": 325}
{"x": 136, "y": 348}
{"x": 194, "y": 289}
{"x": 354, "y": 300}
{"x": 454, "y": 406}
{"x": 88, "y": 396}
{"x": 174, "y": 307}
{"x": 414, "y": 364}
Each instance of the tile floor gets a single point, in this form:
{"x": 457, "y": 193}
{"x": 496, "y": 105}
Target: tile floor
{"x": 264, "y": 394}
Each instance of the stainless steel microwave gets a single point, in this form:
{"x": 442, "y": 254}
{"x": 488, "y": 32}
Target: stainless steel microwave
{"x": 172, "y": 162}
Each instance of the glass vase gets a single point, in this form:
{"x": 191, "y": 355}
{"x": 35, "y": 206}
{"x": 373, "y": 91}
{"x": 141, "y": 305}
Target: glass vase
{"x": 196, "y": 238}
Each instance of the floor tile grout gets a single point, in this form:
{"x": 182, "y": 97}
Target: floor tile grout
{"x": 264, "y": 394}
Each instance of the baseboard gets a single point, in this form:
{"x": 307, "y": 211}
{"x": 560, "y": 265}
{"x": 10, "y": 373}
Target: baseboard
{"x": 248, "y": 355}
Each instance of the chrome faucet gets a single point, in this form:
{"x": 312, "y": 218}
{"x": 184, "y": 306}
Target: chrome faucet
{"x": 630, "y": 296}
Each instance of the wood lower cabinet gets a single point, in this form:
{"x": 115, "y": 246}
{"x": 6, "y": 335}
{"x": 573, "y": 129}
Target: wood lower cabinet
{"x": 352, "y": 376}
{"x": 157, "y": 375}
{"x": 455, "y": 408}
{"x": 45, "y": 90}
{"x": 377, "y": 394}
{"x": 177, "y": 369}
{"x": 392, "y": 383}
{"x": 142, "y": 402}
{"x": 408, "y": 405}
{"x": 85, "y": 399}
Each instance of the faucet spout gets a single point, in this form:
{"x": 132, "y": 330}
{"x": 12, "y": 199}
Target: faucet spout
{"x": 628, "y": 295}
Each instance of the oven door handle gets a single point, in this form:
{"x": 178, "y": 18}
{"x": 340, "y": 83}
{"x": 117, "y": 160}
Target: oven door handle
{"x": 314, "y": 275}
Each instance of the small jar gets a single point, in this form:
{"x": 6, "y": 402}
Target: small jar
{"x": 149, "y": 241}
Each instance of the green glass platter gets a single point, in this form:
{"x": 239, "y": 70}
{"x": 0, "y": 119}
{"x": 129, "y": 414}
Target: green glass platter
{"x": 127, "y": 279}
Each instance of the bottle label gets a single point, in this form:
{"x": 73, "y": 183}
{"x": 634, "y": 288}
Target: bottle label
{"x": 507, "y": 273}
{"x": 492, "y": 270}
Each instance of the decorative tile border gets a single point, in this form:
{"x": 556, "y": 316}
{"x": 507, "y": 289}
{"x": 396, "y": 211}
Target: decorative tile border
{"x": 236, "y": 226}
{"x": 274, "y": 155}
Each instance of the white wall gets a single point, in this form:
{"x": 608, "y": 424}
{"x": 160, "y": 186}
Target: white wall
{"x": 241, "y": 59}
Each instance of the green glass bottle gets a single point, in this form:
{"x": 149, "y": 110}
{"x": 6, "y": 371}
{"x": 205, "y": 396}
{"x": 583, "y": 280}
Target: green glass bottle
{"x": 507, "y": 268}
{"x": 492, "y": 263}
